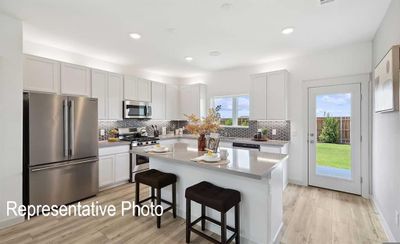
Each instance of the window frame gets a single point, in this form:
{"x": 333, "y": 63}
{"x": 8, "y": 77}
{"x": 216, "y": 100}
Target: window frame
{"x": 234, "y": 109}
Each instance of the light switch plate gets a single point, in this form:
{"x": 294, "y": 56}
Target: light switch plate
{"x": 274, "y": 132}
{"x": 102, "y": 132}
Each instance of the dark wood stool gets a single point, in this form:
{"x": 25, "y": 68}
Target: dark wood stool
{"x": 218, "y": 198}
{"x": 156, "y": 180}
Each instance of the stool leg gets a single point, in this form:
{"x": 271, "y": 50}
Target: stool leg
{"x": 237, "y": 224}
{"x": 174, "y": 200}
{"x": 223, "y": 228}
{"x": 188, "y": 220}
{"x": 158, "y": 203}
{"x": 136, "y": 197}
{"x": 203, "y": 215}
{"x": 153, "y": 196}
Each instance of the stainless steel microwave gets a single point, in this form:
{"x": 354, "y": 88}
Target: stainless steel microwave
{"x": 136, "y": 110}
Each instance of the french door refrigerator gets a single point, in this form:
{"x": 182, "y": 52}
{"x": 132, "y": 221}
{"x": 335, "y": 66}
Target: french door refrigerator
{"x": 60, "y": 149}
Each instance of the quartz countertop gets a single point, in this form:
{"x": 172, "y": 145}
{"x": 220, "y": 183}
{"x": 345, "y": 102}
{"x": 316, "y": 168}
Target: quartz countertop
{"x": 277, "y": 143}
{"x": 242, "y": 162}
{"x": 112, "y": 144}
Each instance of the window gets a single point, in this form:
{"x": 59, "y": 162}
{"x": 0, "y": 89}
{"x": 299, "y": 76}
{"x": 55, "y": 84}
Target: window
{"x": 234, "y": 110}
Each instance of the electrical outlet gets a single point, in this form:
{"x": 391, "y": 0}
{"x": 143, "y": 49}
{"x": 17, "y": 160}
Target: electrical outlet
{"x": 397, "y": 218}
{"x": 102, "y": 132}
{"x": 274, "y": 132}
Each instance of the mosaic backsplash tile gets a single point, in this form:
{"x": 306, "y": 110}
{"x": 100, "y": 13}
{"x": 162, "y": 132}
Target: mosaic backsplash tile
{"x": 282, "y": 127}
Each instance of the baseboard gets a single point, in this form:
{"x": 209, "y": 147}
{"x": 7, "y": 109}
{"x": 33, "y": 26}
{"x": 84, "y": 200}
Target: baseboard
{"x": 297, "y": 182}
{"x": 382, "y": 220}
{"x": 10, "y": 222}
{"x": 278, "y": 236}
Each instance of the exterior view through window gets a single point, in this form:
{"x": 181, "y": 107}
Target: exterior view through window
{"x": 234, "y": 110}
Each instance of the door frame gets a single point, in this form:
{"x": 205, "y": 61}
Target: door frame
{"x": 366, "y": 123}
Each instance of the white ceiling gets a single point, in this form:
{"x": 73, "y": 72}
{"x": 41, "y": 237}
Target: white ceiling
{"x": 249, "y": 32}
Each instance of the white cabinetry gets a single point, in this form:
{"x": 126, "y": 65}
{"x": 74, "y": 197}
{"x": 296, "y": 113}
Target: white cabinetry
{"x": 269, "y": 96}
{"x": 75, "y": 80}
{"x": 41, "y": 74}
{"x": 108, "y": 89}
{"x": 99, "y": 91}
{"x": 282, "y": 150}
{"x": 137, "y": 89}
{"x": 158, "y": 101}
{"x": 193, "y": 100}
{"x": 171, "y": 102}
{"x": 115, "y": 96}
{"x": 113, "y": 166}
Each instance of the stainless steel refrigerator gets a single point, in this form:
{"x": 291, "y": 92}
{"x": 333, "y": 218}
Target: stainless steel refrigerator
{"x": 60, "y": 149}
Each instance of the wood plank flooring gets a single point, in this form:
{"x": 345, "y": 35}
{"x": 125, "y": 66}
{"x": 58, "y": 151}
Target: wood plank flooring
{"x": 311, "y": 215}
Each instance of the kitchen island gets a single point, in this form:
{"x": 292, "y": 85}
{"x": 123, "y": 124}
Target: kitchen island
{"x": 256, "y": 175}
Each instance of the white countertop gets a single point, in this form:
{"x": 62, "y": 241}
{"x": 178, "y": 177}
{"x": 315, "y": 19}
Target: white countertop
{"x": 242, "y": 162}
{"x": 113, "y": 144}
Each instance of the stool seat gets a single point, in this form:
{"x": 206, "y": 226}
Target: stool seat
{"x": 155, "y": 178}
{"x": 213, "y": 196}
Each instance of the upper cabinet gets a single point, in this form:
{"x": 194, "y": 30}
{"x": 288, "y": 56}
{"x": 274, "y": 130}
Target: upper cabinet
{"x": 99, "y": 91}
{"x": 108, "y": 89}
{"x": 41, "y": 74}
{"x": 137, "y": 89}
{"x": 115, "y": 96}
{"x": 75, "y": 80}
{"x": 193, "y": 100}
{"x": 158, "y": 101}
{"x": 171, "y": 102}
{"x": 269, "y": 96}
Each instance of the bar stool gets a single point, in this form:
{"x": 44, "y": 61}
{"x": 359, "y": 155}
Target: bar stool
{"x": 156, "y": 180}
{"x": 217, "y": 198}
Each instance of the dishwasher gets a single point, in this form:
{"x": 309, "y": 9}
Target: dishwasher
{"x": 248, "y": 146}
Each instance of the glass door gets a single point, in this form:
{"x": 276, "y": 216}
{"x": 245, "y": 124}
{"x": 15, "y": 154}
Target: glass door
{"x": 334, "y": 137}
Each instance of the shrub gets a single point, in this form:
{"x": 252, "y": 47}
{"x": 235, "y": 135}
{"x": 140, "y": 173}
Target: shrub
{"x": 330, "y": 131}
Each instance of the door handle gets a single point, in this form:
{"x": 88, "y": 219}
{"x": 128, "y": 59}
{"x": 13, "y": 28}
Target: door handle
{"x": 311, "y": 141}
{"x": 66, "y": 135}
{"x": 64, "y": 165}
{"x": 72, "y": 125}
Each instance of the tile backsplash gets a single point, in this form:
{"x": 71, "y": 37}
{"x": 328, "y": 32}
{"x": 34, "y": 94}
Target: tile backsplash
{"x": 282, "y": 127}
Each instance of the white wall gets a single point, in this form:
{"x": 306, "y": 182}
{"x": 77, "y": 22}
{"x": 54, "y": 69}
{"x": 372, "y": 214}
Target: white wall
{"x": 386, "y": 131}
{"x": 10, "y": 115}
{"x": 75, "y": 58}
{"x": 341, "y": 61}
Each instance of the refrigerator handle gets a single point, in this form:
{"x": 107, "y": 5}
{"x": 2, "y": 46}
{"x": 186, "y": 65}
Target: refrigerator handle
{"x": 72, "y": 127}
{"x": 66, "y": 135}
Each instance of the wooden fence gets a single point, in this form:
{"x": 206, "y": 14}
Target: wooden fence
{"x": 344, "y": 128}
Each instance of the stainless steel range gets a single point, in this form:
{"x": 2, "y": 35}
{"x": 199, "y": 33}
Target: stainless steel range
{"x": 139, "y": 138}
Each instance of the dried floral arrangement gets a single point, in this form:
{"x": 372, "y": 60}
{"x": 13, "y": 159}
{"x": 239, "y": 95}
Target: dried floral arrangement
{"x": 209, "y": 124}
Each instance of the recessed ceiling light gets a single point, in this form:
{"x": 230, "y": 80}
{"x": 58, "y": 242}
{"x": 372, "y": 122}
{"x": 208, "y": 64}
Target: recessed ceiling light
{"x": 215, "y": 53}
{"x": 189, "y": 59}
{"x": 287, "y": 30}
{"x": 135, "y": 36}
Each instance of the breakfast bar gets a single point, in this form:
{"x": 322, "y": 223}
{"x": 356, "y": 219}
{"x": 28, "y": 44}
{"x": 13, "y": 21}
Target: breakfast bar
{"x": 256, "y": 175}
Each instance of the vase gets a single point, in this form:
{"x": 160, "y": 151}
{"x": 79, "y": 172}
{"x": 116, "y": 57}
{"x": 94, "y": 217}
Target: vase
{"x": 201, "y": 142}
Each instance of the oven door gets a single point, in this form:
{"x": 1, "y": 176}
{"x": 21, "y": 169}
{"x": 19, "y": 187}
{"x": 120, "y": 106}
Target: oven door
{"x": 139, "y": 163}
{"x": 134, "y": 109}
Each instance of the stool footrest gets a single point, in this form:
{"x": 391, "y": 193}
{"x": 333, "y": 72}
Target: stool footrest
{"x": 200, "y": 233}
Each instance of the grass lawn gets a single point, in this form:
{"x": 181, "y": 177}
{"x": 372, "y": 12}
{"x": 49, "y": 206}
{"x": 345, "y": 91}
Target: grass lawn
{"x": 334, "y": 155}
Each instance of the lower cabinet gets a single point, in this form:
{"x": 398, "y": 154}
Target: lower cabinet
{"x": 113, "y": 166}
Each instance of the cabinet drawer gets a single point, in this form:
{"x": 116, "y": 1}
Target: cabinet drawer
{"x": 113, "y": 150}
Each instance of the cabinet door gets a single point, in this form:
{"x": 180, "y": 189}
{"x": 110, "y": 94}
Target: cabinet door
{"x": 258, "y": 97}
{"x": 131, "y": 88}
{"x": 144, "y": 90}
{"x": 41, "y": 74}
{"x": 75, "y": 80}
{"x": 106, "y": 170}
{"x": 171, "y": 102}
{"x": 115, "y": 96}
{"x": 122, "y": 167}
{"x": 189, "y": 100}
{"x": 158, "y": 101}
{"x": 99, "y": 91}
{"x": 277, "y": 95}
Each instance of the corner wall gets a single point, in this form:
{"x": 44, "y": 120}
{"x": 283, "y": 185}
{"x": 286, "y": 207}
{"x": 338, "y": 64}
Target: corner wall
{"x": 386, "y": 132}
{"x": 10, "y": 116}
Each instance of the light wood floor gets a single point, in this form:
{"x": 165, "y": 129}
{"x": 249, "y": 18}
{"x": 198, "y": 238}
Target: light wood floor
{"x": 311, "y": 215}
